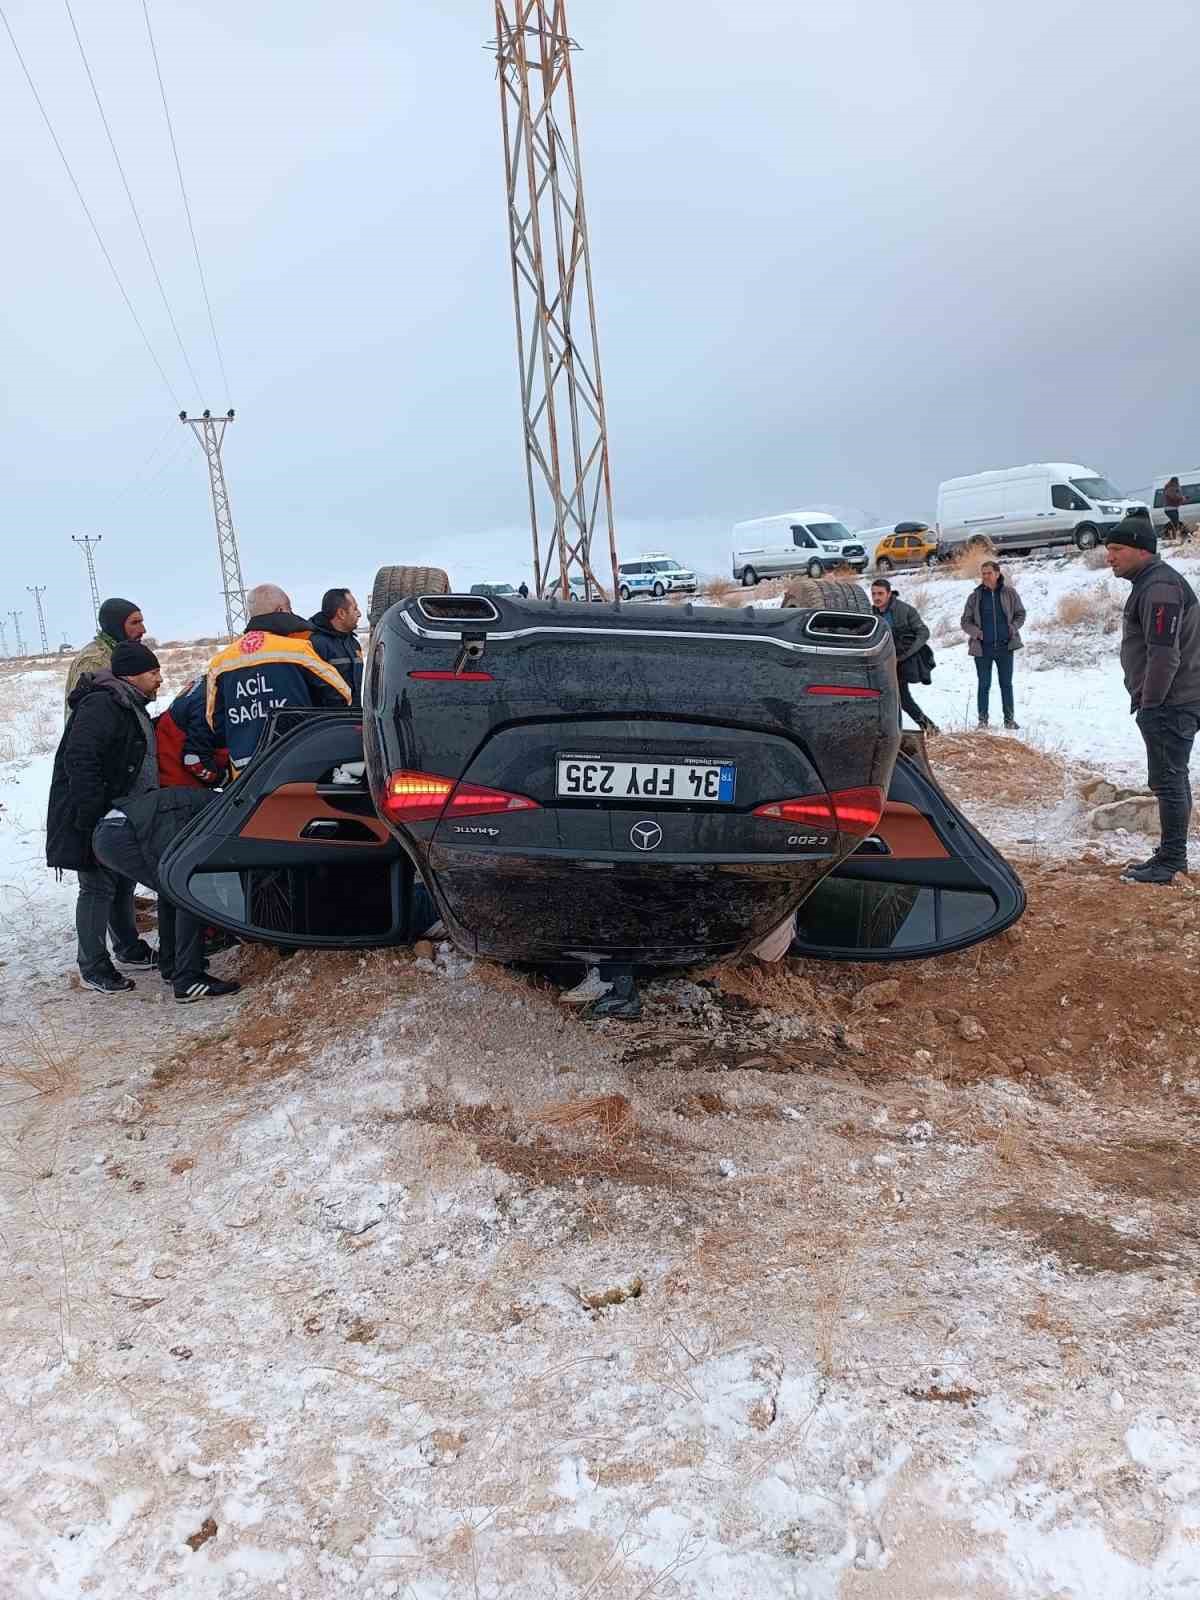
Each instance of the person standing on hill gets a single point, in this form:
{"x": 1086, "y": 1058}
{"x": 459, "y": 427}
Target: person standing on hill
{"x": 1160, "y": 657}
{"x": 992, "y": 620}
{"x": 120, "y": 622}
{"x": 1173, "y": 498}
{"x": 911, "y": 639}
{"x": 107, "y": 751}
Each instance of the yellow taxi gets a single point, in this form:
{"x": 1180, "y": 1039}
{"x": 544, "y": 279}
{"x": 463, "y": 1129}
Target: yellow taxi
{"x": 910, "y": 544}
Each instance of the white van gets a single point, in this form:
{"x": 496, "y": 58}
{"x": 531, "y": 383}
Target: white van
{"x": 1189, "y": 512}
{"x": 1020, "y": 509}
{"x": 794, "y": 541}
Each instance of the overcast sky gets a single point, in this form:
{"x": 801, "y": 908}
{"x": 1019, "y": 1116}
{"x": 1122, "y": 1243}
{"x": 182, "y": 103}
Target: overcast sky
{"x": 841, "y": 251}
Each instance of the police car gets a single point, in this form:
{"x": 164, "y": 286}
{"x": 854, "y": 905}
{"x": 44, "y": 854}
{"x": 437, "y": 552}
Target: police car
{"x": 655, "y": 575}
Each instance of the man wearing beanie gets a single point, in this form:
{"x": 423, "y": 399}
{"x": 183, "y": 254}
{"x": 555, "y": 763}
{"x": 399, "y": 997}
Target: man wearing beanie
{"x": 1160, "y": 657}
{"x": 120, "y": 622}
{"x": 106, "y": 752}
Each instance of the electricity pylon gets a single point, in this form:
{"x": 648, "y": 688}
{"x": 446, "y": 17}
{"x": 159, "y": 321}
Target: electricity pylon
{"x": 562, "y": 397}
{"x": 37, "y": 591}
{"x": 210, "y": 432}
{"x": 88, "y": 542}
{"x": 4, "y": 638}
{"x": 16, "y": 622}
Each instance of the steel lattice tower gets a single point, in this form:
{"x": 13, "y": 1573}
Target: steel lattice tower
{"x": 37, "y": 591}
{"x": 562, "y": 397}
{"x": 16, "y": 622}
{"x": 4, "y": 638}
{"x": 210, "y": 431}
{"x": 87, "y": 542}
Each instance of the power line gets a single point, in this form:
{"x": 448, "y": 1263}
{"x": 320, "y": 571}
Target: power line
{"x": 186, "y": 203}
{"x": 170, "y": 388}
{"x": 112, "y": 144}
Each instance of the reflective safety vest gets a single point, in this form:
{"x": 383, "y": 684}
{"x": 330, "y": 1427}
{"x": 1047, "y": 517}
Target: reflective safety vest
{"x": 258, "y": 674}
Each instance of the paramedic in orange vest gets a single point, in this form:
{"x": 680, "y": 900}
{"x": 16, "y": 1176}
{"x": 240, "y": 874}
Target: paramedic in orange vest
{"x": 272, "y": 665}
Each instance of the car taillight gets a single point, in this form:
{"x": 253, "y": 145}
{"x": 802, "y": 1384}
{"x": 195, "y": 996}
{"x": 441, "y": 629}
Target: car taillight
{"x": 853, "y": 811}
{"x": 849, "y": 691}
{"x": 452, "y": 677}
{"x": 424, "y": 796}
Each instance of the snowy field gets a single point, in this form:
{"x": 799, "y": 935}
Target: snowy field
{"x": 394, "y": 1278}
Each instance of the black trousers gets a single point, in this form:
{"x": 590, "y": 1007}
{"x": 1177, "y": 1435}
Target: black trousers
{"x": 104, "y": 911}
{"x": 180, "y": 935}
{"x": 1169, "y": 732}
{"x": 907, "y": 703}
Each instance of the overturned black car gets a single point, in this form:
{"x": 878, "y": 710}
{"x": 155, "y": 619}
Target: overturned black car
{"x": 654, "y": 785}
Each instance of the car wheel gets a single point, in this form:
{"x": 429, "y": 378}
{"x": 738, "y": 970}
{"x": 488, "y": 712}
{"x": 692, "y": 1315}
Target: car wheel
{"x": 749, "y": 577}
{"x": 981, "y": 542}
{"x": 815, "y": 569}
{"x": 883, "y": 564}
{"x": 807, "y": 594}
{"x": 931, "y": 559}
{"x": 573, "y": 596}
{"x": 1085, "y": 537}
{"x": 659, "y": 591}
{"x": 393, "y": 584}
{"x": 623, "y": 591}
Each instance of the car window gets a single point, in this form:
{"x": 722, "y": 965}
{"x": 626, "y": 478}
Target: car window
{"x": 802, "y": 537}
{"x": 1065, "y": 499}
{"x": 1191, "y": 493}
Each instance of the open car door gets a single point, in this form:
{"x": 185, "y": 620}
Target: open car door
{"x": 926, "y": 883}
{"x": 293, "y": 852}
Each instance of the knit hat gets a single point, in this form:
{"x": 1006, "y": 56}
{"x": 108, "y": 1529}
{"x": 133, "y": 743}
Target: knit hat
{"x": 129, "y": 659}
{"x": 112, "y": 617}
{"x": 1135, "y": 531}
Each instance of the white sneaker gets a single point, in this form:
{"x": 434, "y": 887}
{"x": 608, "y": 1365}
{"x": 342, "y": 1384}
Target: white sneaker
{"x": 592, "y": 988}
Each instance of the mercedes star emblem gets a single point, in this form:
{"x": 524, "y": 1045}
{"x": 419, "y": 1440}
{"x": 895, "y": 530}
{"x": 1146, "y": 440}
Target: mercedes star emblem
{"x": 645, "y": 836}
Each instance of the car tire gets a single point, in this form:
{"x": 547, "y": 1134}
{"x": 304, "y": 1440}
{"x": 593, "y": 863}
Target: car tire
{"x": 749, "y": 577}
{"x": 981, "y": 542}
{"x": 393, "y": 584}
{"x": 659, "y": 591}
{"x": 883, "y": 564}
{"x": 815, "y": 569}
{"x": 931, "y": 559}
{"x": 623, "y": 591}
{"x": 1086, "y": 538}
{"x": 807, "y": 594}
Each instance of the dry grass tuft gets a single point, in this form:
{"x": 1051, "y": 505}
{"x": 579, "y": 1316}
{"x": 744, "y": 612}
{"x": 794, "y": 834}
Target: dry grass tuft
{"x": 1098, "y": 609}
{"x": 612, "y": 1113}
{"x": 1095, "y": 558}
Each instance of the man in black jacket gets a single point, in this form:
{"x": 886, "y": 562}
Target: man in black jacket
{"x": 130, "y": 840}
{"x": 334, "y": 639}
{"x": 911, "y": 639}
{"x": 1160, "y": 657}
{"x": 107, "y": 751}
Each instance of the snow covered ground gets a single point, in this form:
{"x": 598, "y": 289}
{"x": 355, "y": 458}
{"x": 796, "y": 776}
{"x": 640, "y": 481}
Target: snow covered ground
{"x": 392, "y": 1278}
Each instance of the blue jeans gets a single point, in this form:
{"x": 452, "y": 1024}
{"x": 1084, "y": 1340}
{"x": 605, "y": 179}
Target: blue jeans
{"x": 1003, "y": 659}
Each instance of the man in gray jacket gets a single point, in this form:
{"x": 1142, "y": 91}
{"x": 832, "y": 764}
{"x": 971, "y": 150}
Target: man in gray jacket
{"x": 1160, "y": 657}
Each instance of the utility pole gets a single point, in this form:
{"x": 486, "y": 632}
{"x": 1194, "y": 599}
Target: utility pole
{"x": 4, "y": 637}
{"x": 88, "y": 544}
{"x": 16, "y": 622}
{"x": 37, "y": 591}
{"x": 210, "y": 432}
{"x": 562, "y": 398}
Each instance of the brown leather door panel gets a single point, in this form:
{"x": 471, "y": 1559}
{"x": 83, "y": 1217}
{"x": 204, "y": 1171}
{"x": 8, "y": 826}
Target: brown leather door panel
{"x": 908, "y": 834}
{"x": 284, "y": 814}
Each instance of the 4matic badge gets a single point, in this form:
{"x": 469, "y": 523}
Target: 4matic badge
{"x": 468, "y": 827}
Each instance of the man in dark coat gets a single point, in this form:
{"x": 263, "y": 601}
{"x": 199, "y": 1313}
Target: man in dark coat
{"x": 334, "y": 639}
{"x": 130, "y": 840}
{"x": 107, "y": 751}
{"x": 1160, "y": 657}
{"x": 911, "y": 639}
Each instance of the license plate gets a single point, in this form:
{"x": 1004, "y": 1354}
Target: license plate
{"x": 691, "y": 782}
